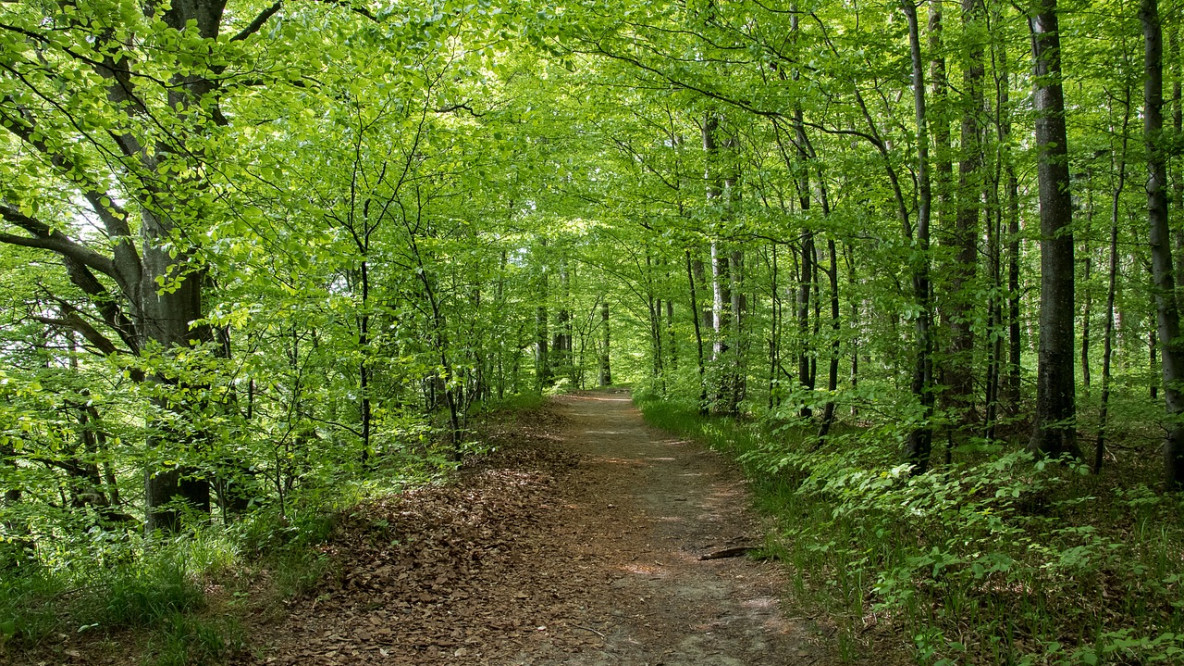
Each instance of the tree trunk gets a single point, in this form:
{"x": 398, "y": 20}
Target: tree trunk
{"x": 696, "y": 320}
{"x": 1056, "y": 410}
{"x": 920, "y": 442}
{"x": 1166, "y": 309}
{"x": 606, "y": 373}
{"x": 960, "y": 313}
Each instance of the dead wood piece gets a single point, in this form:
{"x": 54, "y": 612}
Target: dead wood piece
{"x": 728, "y": 552}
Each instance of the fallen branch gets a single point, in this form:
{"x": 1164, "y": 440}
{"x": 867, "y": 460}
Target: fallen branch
{"x": 728, "y": 552}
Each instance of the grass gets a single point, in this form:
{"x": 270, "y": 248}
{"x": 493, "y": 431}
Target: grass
{"x": 996, "y": 559}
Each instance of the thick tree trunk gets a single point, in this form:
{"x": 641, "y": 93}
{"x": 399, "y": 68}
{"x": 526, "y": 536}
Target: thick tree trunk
{"x": 1166, "y": 309}
{"x": 1056, "y": 410}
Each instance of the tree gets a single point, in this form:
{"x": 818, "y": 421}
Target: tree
{"x": 1167, "y": 312}
{"x": 1055, "y": 429}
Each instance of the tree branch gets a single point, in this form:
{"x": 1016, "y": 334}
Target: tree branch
{"x": 254, "y": 26}
{"x": 45, "y": 238}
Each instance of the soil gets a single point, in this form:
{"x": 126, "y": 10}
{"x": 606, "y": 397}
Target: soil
{"x": 579, "y": 543}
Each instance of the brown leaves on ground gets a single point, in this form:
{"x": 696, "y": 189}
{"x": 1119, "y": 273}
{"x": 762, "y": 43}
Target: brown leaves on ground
{"x": 438, "y": 572}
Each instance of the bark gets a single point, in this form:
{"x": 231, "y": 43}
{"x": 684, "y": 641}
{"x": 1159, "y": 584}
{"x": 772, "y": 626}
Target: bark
{"x": 1166, "y": 309}
{"x": 943, "y": 170}
{"x": 808, "y": 271}
{"x": 920, "y": 442}
{"x": 1055, "y": 420}
{"x": 1178, "y": 181}
{"x": 695, "y": 319}
{"x": 960, "y": 312}
{"x": 542, "y": 357}
{"x": 1011, "y": 389}
{"x": 606, "y": 373}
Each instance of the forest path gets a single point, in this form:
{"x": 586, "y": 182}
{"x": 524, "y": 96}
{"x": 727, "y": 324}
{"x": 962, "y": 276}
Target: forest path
{"x": 583, "y": 552}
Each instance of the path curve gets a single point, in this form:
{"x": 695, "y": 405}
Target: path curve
{"x": 647, "y": 507}
{"x": 580, "y": 547}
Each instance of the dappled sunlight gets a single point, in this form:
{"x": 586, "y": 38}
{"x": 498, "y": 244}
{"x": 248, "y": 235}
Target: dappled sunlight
{"x": 762, "y": 603}
{"x": 643, "y": 569}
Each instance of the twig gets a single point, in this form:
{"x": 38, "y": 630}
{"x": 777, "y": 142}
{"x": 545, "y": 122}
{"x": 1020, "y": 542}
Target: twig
{"x": 578, "y": 626}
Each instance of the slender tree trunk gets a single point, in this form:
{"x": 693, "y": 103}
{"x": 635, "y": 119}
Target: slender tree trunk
{"x": 1119, "y": 168}
{"x": 543, "y": 374}
{"x": 1014, "y": 329}
{"x": 920, "y": 442}
{"x": 774, "y": 329}
{"x": 671, "y": 338}
{"x": 808, "y": 271}
{"x": 1111, "y": 290}
{"x": 364, "y": 363}
{"x": 606, "y": 372}
{"x": 1056, "y": 410}
{"x": 721, "y": 307}
{"x": 832, "y": 376}
{"x": 960, "y": 377}
{"x": 1167, "y": 312}
{"x": 943, "y": 169}
{"x": 1086, "y": 310}
{"x": 695, "y": 318}
{"x": 737, "y": 372}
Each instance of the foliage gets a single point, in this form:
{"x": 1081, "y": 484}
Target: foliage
{"x": 1007, "y": 560}
{"x": 260, "y": 261}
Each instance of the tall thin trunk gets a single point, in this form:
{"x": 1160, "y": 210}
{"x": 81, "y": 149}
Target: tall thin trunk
{"x": 920, "y": 443}
{"x": 1056, "y": 410}
{"x": 1177, "y": 132}
{"x": 364, "y": 363}
{"x": 1014, "y": 329}
{"x": 943, "y": 169}
{"x": 808, "y": 271}
{"x": 1111, "y": 287}
{"x": 606, "y": 372}
{"x": 960, "y": 312}
{"x": 696, "y": 319}
{"x": 721, "y": 307}
{"x": 737, "y": 372}
{"x": 542, "y": 364}
{"x": 671, "y": 338}
{"x": 1086, "y": 312}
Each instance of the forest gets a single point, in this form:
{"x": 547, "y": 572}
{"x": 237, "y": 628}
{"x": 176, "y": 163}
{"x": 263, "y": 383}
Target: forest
{"x": 917, "y": 266}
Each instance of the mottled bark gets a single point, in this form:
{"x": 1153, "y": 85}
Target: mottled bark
{"x": 1164, "y": 284}
{"x": 1056, "y": 412}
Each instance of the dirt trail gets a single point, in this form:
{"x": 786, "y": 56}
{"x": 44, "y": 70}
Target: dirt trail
{"x": 586, "y": 553}
{"x": 652, "y": 505}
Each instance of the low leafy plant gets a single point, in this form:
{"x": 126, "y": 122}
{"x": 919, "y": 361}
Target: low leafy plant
{"x": 996, "y": 559}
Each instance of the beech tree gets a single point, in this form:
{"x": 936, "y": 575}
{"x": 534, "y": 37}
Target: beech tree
{"x": 1056, "y": 429}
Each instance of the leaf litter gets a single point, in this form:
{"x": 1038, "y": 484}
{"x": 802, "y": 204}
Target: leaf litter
{"x": 577, "y": 542}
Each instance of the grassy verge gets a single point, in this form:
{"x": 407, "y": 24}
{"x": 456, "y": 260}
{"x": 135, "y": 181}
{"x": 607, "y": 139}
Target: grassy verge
{"x": 1003, "y": 560}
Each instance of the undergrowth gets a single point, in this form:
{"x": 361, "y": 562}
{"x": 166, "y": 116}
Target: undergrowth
{"x": 102, "y": 583}
{"x": 994, "y": 559}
